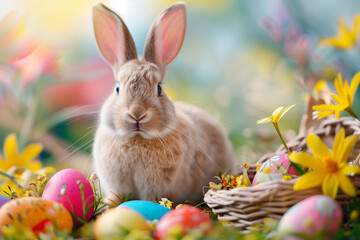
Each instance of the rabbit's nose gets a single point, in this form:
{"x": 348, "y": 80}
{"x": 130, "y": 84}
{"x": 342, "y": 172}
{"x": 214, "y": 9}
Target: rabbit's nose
{"x": 137, "y": 113}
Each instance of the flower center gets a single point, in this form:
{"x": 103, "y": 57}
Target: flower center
{"x": 331, "y": 165}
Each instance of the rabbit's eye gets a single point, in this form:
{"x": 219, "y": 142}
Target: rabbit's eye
{"x": 159, "y": 88}
{"x": 117, "y": 89}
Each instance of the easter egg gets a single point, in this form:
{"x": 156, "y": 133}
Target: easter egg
{"x": 182, "y": 221}
{"x": 75, "y": 183}
{"x": 282, "y": 161}
{"x": 311, "y": 216}
{"x": 116, "y": 223}
{"x": 35, "y": 213}
{"x": 3, "y": 200}
{"x": 150, "y": 210}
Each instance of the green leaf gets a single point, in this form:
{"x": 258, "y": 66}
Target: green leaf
{"x": 300, "y": 171}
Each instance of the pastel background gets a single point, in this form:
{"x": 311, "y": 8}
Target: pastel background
{"x": 240, "y": 60}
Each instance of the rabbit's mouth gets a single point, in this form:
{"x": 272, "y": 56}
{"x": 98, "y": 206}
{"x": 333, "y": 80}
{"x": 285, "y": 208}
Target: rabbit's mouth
{"x": 137, "y": 127}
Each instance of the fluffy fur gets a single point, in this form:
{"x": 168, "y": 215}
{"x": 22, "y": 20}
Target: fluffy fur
{"x": 145, "y": 144}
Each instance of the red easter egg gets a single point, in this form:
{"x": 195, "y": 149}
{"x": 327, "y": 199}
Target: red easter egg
{"x": 182, "y": 221}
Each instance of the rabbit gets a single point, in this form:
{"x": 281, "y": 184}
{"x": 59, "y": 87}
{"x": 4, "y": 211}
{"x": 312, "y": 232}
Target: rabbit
{"x": 146, "y": 144}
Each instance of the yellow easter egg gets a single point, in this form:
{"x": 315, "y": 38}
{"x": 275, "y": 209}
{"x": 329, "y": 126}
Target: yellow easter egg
{"x": 37, "y": 214}
{"x": 118, "y": 223}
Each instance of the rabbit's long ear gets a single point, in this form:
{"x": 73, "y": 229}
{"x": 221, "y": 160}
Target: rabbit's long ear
{"x": 166, "y": 36}
{"x": 112, "y": 36}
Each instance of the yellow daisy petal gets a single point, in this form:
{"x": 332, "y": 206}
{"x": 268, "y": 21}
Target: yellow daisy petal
{"x": 34, "y": 165}
{"x": 338, "y": 110}
{"x": 337, "y": 98}
{"x": 338, "y": 142}
{"x": 330, "y": 185}
{"x": 4, "y": 165}
{"x": 264, "y": 120}
{"x": 276, "y": 112}
{"x": 348, "y": 96}
{"x": 355, "y": 83}
{"x": 305, "y": 160}
{"x": 320, "y": 115}
{"x": 331, "y": 41}
{"x": 345, "y": 36}
{"x": 350, "y": 170}
{"x": 309, "y": 180}
{"x": 282, "y": 113}
{"x": 10, "y": 148}
{"x": 317, "y": 146}
{"x": 346, "y": 149}
{"x": 346, "y": 185}
{"x": 31, "y": 152}
{"x": 339, "y": 86}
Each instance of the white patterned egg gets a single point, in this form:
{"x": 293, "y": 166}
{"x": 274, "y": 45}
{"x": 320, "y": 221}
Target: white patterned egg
{"x": 273, "y": 163}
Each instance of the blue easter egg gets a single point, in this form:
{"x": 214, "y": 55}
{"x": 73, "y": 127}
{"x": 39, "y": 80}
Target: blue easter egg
{"x": 3, "y": 199}
{"x": 149, "y": 210}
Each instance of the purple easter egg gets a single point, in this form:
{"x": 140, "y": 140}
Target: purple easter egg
{"x": 3, "y": 200}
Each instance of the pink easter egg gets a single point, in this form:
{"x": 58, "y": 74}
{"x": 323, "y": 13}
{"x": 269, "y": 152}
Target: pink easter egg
{"x": 313, "y": 215}
{"x": 279, "y": 160}
{"x": 72, "y": 201}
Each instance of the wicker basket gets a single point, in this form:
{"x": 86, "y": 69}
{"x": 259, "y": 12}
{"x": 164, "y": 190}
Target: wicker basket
{"x": 244, "y": 207}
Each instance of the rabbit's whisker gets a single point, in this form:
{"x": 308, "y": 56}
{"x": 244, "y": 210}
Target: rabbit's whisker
{"x": 85, "y": 135}
{"x": 80, "y": 111}
{"x": 81, "y": 118}
{"x": 77, "y": 149}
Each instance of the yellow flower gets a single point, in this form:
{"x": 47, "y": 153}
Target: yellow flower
{"x": 6, "y": 183}
{"x": 324, "y": 110}
{"x": 12, "y": 160}
{"x": 346, "y": 38}
{"x": 354, "y": 215}
{"x": 24, "y": 159}
{"x": 276, "y": 115}
{"x": 41, "y": 178}
{"x": 166, "y": 203}
{"x": 328, "y": 169}
{"x": 344, "y": 98}
{"x": 258, "y": 166}
{"x": 28, "y": 193}
{"x": 213, "y": 186}
{"x": 274, "y": 119}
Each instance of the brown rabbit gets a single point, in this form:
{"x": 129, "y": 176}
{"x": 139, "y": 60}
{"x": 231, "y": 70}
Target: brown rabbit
{"x": 145, "y": 144}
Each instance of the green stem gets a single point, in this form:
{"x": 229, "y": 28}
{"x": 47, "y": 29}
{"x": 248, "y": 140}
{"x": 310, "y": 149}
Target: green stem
{"x": 281, "y": 137}
{"x": 351, "y": 112}
{"x": 12, "y": 178}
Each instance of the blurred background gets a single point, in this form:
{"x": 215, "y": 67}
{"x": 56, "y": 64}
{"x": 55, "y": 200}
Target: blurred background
{"x": 240, "y": 60}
